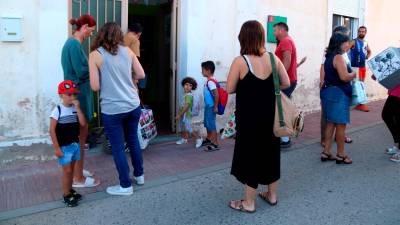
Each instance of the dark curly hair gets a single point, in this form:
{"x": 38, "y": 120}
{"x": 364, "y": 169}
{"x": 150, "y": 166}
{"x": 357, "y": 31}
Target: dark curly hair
{"x": 190, "y": 80}
{"x": 109, "y": 37}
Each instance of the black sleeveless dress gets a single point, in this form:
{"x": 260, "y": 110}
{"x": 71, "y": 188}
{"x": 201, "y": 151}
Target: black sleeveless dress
{"x": 256, "y": 158}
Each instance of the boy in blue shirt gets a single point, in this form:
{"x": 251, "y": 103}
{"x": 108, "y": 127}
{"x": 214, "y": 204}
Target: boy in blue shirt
{"x": 211, "y": 98}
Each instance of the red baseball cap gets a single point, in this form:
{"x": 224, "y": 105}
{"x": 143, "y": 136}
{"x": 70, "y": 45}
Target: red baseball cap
{"x": 68, "y": 87}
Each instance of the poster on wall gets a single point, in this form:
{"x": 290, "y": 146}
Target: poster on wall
{"x": 272, "y": 20}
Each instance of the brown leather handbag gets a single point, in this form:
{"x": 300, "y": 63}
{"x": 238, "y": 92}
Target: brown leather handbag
{"x": 289, "y": 122}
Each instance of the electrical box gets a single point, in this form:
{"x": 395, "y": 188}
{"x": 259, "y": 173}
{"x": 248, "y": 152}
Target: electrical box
{"x": 11, "y": 28}
{"x": 272, "y": 20}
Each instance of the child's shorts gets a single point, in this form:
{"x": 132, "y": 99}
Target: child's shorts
{"x": 210, "y": 119}
{"x": 186, "y": 125}
{"x": 71, "y": 153}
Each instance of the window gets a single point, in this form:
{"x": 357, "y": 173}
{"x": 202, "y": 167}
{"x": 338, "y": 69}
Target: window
{"x": 349, "y": 22}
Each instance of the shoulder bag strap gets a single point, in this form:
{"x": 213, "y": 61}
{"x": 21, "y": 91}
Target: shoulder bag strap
{"x": 59, "y": 112}
{"x": 277, "y": 89}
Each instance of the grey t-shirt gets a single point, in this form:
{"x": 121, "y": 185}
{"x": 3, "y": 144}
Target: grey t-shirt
{"x": 118, "y": 94}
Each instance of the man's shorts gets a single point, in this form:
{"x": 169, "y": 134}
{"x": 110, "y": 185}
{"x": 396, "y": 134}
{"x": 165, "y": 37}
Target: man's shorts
{"x": 362, "y": 73}
{"x": 210, "y": 119}
{"x": 71, "y": 153}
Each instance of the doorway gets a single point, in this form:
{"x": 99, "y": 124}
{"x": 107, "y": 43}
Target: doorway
{"x": 155, "y": 57}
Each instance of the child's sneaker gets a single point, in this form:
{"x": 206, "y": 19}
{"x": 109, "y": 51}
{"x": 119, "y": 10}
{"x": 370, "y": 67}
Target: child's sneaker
{"x": 206, "y": 142}
{"x": 70, "y": 200}
{"x": 75, "y": 194}
{"x": 395, "y": 158}
{"x": 199, "y": 142}
{"x": 182, "y": 141}
{"x": 139, "y": 180}
{"x": 393, "y": 150}
{"x": 212, "y": 147}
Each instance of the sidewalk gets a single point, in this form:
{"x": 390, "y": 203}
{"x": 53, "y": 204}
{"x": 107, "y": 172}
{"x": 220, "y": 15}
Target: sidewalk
{"x": 32, "y": 183}
{"x": 310, "y": 192}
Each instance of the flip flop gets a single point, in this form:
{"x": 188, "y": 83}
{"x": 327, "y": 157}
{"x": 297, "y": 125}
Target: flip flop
{"x": 241, "y": 207}
{"x": 87, "y": 173}
{"x": 89, "y": 182}
{"x": 266, "y": 198}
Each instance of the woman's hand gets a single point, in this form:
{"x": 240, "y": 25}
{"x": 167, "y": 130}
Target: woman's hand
{"x": 58, "y": 153}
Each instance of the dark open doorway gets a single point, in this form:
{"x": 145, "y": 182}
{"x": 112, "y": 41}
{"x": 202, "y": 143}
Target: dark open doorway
{"x": 155, "y": 46}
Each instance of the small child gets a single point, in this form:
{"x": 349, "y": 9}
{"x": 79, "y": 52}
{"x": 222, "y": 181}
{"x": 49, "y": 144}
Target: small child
{"x": 64, "y": 131}
{"x": 185, "y": 113}
{"x": 211, "y": 98}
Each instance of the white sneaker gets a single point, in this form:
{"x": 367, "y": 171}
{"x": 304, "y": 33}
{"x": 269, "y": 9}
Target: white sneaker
{"x": 139, "y": 180}
{"x": 393, "y": 150}
{"x": 182, "y": 141}
{"x": 118, "y": 190}
{"x": 199, "y": 142}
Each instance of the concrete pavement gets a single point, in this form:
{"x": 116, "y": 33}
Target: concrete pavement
{"x": 311, "y": 192}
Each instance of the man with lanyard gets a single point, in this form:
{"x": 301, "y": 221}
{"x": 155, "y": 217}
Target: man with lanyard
{"x": 359, "y": 54}
{"x": 287, "y": 53}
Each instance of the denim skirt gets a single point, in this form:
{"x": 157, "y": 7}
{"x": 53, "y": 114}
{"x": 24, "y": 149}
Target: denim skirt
{"x": 335, "y": 105}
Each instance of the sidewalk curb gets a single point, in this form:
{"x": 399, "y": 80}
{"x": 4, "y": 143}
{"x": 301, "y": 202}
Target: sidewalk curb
{"x": 7, "y": 215}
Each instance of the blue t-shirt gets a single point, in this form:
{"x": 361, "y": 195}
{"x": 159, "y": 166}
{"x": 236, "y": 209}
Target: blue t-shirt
{"x": 208, "y": 96}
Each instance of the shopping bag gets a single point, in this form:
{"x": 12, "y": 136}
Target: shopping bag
{"x": 147, "y": 129}
{"x": 359, "y": 95}
{"x": 230, "y": 127}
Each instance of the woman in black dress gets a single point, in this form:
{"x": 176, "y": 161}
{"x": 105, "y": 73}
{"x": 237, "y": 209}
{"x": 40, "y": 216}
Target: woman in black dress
{"x": 256, "y": 158}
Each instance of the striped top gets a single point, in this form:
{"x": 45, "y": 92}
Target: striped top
{"x": 67, "y": 129}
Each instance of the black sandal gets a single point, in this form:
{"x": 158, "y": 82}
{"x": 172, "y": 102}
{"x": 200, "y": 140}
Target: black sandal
{"x": 342, "y": 159}
{"x": 266, "y": 198}
{"x": 241, "y": 207}
{"x": 327, "y": 157}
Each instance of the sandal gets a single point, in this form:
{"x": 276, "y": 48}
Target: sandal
{"x": 89, "y": 182}
{"x": 342, "y": 159}
{"x": 266, "y": 198}
{"x": 87, "y": 173}
{"x": 241, "y": 207}
{"x": 327, "y": 157}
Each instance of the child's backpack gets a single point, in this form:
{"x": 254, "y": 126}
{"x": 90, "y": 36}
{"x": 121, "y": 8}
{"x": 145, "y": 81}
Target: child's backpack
{"x": 223, "y": 97}
{"x": 196, "y": 105}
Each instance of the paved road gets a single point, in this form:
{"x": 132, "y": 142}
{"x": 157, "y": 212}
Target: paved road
{"x": 311, "y": 192}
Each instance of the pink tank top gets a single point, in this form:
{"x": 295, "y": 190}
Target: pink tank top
{"x": 395, "y": 92}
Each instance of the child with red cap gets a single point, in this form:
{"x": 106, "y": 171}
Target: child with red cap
{"x": 64, "y": 131}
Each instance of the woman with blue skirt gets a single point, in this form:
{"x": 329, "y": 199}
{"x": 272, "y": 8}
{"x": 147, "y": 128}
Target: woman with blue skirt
{"x": 336, "y": 97}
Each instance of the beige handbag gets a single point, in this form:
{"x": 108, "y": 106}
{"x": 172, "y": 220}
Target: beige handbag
{"x": 289, "y": 122}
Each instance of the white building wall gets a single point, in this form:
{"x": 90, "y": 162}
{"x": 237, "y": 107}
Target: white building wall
{"x": 213, "y": 28}
{"x": 382, "y": 22}
{"x": 30, "y": 70}
{"x": 208, "y": 30}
